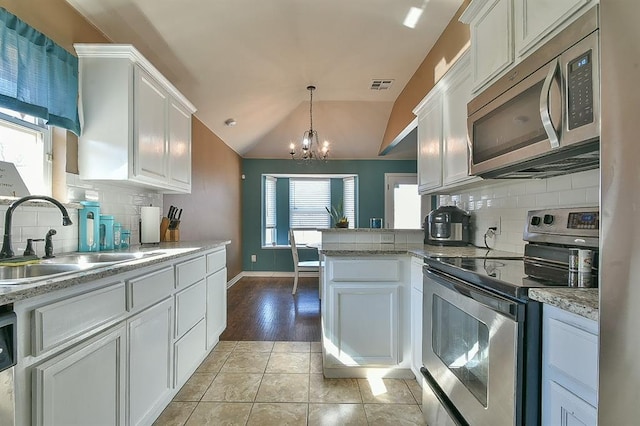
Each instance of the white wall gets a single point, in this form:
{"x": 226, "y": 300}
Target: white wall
{"x": 33, "y": 221}
{"x": 510, "y": 201}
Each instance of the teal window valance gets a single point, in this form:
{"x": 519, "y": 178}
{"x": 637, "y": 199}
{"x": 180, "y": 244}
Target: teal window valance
{"x": 37, "y": 76}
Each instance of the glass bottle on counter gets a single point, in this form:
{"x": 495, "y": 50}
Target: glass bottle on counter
{"x": 117, "y": 228}
{"x": 125, "y": 239}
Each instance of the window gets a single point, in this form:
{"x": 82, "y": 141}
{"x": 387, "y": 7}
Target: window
{"x": 349, "y": 196}
{"x": 270, "y": 211}
{"x": 299, "y": 203}
{"x": 26, "y": 142}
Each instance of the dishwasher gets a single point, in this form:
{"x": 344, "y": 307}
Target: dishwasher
{"x": 8, "y": 357}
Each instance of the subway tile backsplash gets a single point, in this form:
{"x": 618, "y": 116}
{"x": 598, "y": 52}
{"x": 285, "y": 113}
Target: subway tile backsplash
{"x": 510, "y": 201}
{"x": 34, "y": 221}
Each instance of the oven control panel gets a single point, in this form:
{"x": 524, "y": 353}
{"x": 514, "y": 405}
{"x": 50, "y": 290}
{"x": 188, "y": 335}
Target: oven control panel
{"x": 570, "y": 226}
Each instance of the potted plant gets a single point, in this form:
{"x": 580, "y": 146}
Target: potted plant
{"x": 337, "y": 214}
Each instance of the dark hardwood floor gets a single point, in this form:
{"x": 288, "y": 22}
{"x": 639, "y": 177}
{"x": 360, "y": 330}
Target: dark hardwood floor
{"x": 260, "y": 308}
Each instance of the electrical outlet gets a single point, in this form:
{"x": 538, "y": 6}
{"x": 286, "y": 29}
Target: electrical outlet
{"x": 254, "y": 258}
{"x": 497, "y": 223}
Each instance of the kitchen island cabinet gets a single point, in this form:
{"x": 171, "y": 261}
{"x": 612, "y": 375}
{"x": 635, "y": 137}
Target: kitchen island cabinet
{"x": 365, "y": 316}
{"x": 116, "y": 349}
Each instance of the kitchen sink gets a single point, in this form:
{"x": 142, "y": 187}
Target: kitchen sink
{"x": 24, "y": 272}
{"x": 85, "y": 258}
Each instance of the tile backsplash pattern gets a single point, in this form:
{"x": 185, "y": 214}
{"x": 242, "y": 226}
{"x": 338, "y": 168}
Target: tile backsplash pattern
{"x": 511, "y": 200}
{"x": 33, "y": 221}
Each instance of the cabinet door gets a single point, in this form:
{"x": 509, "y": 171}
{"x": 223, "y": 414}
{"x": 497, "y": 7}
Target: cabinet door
{"x": 566, "y": 409}
{"x": 534, "y": 19}
{"x": 430, "y": 145}
{"x": 84, "y": 385}
{"x": 216, "y": 306}
{"x": 455, "y": 143}
{"x": 364, "y": 322}
{"x": 150, "y": 361}
{"x": 150, "y": 129}
{"x": 416, "y": 318}
{"x": 492, "y": 41}
{"x": 179, "y": 146}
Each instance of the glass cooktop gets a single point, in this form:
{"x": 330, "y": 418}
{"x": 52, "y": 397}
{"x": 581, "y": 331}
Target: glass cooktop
{"x": 511, "y": 277}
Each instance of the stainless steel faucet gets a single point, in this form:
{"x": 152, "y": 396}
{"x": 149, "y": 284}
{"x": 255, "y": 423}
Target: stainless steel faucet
{"x": 6, "y": 251}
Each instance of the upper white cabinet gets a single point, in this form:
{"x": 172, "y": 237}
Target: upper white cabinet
{"x": 137, "y": 126}
{"x": 443, "y": 141}
{"x": 503, "y": 32}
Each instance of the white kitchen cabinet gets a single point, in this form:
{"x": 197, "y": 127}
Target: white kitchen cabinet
{"x": 492, "y": 41}
{"x": 137, "y": 125}
{"x": 430, "y": 144}
{"x": 416, "y": 317}
{"x": 569, "y": 368}
{"x": 216, "y": 306}
{"x": 366, "y": 316}
{"x": 504, "y": 32}
{"x": 84, "y": 385}
{"x": 109, "y": 351}
{"x": 150, "y": 361}
{"x": 443, "y": 141}
{"x": 534, "y": 19}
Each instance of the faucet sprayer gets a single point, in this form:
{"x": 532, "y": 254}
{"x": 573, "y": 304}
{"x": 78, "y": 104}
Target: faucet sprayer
{"x": 6, "y": 251}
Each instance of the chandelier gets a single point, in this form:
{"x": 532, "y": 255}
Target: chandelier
{"x": 310, "y": 149}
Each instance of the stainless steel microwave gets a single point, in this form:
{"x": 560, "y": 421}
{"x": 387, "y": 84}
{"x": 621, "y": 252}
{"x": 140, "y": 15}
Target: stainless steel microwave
{"x": 543, "y": 118}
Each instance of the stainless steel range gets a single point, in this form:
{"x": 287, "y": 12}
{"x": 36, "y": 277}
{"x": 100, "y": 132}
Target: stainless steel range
{"x": 481, "y": 333}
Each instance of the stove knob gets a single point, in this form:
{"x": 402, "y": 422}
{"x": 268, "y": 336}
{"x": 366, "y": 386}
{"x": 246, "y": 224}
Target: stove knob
{"x": 535, "y": 220}
{"x": 548, "y": 219}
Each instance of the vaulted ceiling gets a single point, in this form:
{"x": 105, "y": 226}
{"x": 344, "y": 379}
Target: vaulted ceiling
{"x": 251, "y": 60}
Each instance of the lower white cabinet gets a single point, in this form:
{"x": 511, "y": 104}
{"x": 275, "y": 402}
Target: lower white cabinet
{"x": 216, "y": 306}
{"x": 150, "y": 361}
{"x": 84, "y": 385}
{"x": 139, "y": 339}
{"x": 569, "y": 368}
{"x": 416, "y": 317}
{"x": 365, "y": 316}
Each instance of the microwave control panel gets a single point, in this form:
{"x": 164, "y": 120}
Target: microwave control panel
{"x": 580, "y": 91}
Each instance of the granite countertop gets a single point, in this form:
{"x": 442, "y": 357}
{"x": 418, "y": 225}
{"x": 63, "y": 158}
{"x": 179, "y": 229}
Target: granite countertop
{"x": 10, "y": 293}
{"x": 580, "y": 301}
{"x": 416, "y": 250}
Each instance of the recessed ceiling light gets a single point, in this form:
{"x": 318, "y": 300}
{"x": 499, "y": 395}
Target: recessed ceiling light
{"x": 230, "y": 122}
{"x": 412, "y": 17}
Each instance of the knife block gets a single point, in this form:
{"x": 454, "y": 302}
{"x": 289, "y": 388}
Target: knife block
{"x": 166, "y": 234}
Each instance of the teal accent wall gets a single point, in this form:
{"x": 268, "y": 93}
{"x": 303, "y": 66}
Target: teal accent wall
{"x": 369, "y": 194}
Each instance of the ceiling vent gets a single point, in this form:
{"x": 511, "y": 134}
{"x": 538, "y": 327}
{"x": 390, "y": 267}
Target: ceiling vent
{"x": 381, "y": 84}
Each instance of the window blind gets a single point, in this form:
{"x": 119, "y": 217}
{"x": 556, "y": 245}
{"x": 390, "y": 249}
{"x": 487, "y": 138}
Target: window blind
{"x": 349, "y": 188}
{"x": 308, "y": 199}
{"x": 270, "y": 210}
{"x": 37, "y": 76}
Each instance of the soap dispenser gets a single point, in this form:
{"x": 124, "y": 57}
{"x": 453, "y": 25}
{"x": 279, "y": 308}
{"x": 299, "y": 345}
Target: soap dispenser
{"x": 89, "y": 226}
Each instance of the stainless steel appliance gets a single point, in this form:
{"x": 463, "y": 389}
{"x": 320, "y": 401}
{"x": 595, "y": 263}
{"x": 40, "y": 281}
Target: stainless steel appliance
{"x": 542, "y": 118}
{"x": 8, "y": 357}
{"x": 447, "y": 226}
{"x": 619, "y": 368}
{"x": 481, "y": 333}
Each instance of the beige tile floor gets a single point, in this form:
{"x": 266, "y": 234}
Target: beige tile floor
{"x": 281, "y": 383}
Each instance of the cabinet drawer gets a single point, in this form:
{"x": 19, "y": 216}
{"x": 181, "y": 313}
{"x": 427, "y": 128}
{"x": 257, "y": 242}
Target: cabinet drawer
{"x": 375, "y": 270}
{"x": 190, "y": 272}
{"x": 574, "y": 353}
{"x": 189, "y": 351}
{"x": 191, "y": 305}
{"x": 62, "y": 321}
{"x": 148, "y": 289}
{"x": 216, "y": 261}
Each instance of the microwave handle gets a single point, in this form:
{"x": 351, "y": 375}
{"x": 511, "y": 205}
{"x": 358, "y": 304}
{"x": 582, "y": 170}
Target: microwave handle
{"x": 545, "y": 114}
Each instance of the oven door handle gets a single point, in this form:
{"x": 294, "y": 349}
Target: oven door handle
{"x": 496, "y": 303}
{"x": 545, "y": 113}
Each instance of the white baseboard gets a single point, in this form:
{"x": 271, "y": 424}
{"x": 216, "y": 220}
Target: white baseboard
{"x": 234, "y": 280}
{"x": 271, "y": 274}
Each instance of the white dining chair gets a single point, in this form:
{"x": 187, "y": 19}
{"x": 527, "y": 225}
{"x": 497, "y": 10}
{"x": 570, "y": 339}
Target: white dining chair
{"x": 298, "y": 266}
